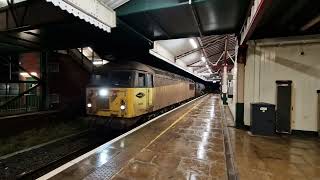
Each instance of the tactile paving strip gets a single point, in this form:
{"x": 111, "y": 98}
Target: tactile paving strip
{"x": 113, "y": 166}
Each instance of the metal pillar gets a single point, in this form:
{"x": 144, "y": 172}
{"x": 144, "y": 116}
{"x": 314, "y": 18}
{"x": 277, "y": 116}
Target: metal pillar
{"x": 225, "y": 74}
{"x": 44, "y": 80}
{"x": 241, "y": 60}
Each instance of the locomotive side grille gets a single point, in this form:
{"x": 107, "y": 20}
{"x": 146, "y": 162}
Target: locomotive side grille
{"x": 103, "y": 103}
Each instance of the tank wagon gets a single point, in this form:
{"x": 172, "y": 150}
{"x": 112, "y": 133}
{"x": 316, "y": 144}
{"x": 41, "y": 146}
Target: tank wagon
{"x": 123, "y": 93}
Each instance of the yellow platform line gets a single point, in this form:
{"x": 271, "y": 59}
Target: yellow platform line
{"x": 163, "y": 132}
{"x": 174, "y": 123}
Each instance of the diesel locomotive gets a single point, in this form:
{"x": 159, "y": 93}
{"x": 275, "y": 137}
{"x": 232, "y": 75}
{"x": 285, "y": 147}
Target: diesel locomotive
{"x": 122, "y": 93}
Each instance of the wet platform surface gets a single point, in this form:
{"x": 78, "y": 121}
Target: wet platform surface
{"x": 275, "y": 158}
{"x": 185, "y": 144}
{"x": 189, "y": 144}
{"x": 282, "y": 157}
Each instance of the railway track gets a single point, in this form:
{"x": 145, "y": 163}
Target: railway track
{"x": 37, "y": 161}
{"x": 34, "y": 173}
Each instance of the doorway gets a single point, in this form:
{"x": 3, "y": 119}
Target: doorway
{"x": 284, "y": 106}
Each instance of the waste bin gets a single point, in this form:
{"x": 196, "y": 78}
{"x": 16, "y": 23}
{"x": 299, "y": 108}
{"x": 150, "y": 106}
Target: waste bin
{"x": 263, "y": 119}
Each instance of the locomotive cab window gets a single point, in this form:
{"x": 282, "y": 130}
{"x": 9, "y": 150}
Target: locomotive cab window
{"x": 121, "y": 79}
{"x": 149, "y": 80}
{"x": 142, "y": 80}
{"x": 113, "y": 79}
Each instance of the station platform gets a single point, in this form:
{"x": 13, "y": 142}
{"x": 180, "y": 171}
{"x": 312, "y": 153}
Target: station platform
{"x": 196, "y": 141}
{"x": 182, "y": 144}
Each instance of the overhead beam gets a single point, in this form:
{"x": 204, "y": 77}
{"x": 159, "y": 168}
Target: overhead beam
{"x": 196, "y": 18}
{"x": 139, "y": 6}
{"x": 199, "y": 49}
{"x": 197, "y": 66}
{"x": 311, "y": 23}
{"x": 188, "y": 65}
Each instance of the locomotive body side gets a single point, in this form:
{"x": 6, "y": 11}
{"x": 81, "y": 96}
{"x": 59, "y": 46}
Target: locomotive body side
{"x": 124, "y": 93}
{"x": 171, "y": 89}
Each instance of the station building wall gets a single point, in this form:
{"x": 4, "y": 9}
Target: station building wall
{"x": 298, "y": 62}
{"x": 67, "y": 83}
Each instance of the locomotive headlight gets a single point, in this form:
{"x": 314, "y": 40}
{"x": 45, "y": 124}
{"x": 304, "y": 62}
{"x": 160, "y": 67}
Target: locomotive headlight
{"x": 122, "y": 107}
{"x": 103, "y": 92}
{"x": 89, "y": 105}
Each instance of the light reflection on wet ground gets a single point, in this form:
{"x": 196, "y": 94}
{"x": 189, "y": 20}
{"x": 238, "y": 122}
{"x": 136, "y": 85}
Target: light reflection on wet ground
{"x": 189, "y": 144}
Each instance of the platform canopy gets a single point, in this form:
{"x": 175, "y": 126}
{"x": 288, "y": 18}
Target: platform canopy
{"x": 200, "y": 56}
{"x": 170, "y": 19}
{"x": 182, "y": 30}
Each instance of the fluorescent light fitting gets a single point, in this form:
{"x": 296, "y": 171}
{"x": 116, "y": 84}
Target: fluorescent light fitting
{"x": 193, "y": 43}
{"x": 203, "y": 59}
{"x": 90, "y": 49}
{"x": 190, "y": 1}
{"x": 99, "y": 62}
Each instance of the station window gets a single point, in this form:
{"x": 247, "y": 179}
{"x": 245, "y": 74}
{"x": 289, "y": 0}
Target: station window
{"x": 141, "y": 80}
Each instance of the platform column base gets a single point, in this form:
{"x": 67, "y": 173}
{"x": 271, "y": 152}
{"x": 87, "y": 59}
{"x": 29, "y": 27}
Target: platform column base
{"x": 224, "y": 98}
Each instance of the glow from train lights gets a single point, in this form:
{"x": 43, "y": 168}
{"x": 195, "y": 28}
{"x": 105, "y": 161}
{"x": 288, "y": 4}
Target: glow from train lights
{"x": 193, "y": 43}
{"x": 89, "y": 105}
{"x": 122, "y": 107}
{"x": 103, "y": 92}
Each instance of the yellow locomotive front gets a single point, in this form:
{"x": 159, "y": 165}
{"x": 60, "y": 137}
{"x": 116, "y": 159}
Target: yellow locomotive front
{"x": 120, "y": 95}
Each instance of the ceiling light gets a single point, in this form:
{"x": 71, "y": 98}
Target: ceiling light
{"x": 99, "y": 62}
{"x": 193, "y": 43}
{"x": 203, "y": 59}
{"x": 89, "y": 48}
{"x": 190, "y": 1}
{"x": 24, "y": 74}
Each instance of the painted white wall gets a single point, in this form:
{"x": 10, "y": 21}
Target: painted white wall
{"x": 266, "y": 64}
